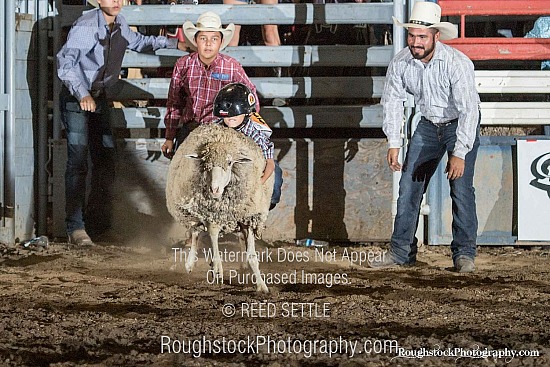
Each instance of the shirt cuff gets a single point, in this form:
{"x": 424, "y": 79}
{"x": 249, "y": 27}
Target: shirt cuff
{"x": 81, "y": 93}
{"x": 460, "y": 152}
{"x": 170, "y": 134}
{"x": 171, "y": 43}
{"x": 397, "y": 143}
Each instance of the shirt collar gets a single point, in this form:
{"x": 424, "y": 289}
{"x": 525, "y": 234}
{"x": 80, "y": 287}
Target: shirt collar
{"x": 243, "y": 124}
{"x": 439, "y": 54}
{"x": 103, "y": 24}
{"x": 216, "y": 61}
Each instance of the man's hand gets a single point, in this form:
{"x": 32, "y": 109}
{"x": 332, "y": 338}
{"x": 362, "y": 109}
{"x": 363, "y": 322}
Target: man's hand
{"x": 87, "y": 104}
{"x": 168, "y": 148}
{"x": 393, "y": 159}
{"x": 455, "y": 168}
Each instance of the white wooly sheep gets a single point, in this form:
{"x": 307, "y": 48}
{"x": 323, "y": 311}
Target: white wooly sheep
{"x": 214, "y": 186}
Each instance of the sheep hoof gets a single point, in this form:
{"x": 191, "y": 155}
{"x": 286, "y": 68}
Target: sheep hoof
{"x": 261, "y": 288}
{"x": 217, "y": 268}
{"x": 189, "y": 267}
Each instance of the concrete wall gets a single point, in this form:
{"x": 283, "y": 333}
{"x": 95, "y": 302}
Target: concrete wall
{"x": 25, "y": 70}
{"x": 323, "y": 195}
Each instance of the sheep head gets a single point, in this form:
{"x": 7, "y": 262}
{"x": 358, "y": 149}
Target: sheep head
{"x": 217, "y": 162}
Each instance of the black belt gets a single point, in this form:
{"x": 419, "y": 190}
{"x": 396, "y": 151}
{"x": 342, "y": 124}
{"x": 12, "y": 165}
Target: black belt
{"x": 442, "y": 124}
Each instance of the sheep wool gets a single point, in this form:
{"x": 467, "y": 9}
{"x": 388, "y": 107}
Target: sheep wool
{"x": 245, "y": 200}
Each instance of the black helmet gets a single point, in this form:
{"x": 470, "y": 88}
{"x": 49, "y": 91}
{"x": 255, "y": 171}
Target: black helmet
{"x": 234, "y": 99}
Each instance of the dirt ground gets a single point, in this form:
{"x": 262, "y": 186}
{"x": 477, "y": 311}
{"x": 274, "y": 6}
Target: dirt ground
{"x": 134, "y": 305}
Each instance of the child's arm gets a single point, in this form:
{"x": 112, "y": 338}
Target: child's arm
{"x": 269, "y": 168}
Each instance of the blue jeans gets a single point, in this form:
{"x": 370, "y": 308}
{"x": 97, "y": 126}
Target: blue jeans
{"x": 426, "y": 149}
{"x": 88, "y": 132}
{"x": 277, "y": 183}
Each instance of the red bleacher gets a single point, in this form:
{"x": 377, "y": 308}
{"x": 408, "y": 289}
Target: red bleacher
{"x": 497, "y": 48}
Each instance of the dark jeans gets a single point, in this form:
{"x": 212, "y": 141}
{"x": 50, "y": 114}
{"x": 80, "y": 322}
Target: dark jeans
{"x": 277, "y": 183}
{"x": 426, "y": 149}
{"x": 88, "y": 132}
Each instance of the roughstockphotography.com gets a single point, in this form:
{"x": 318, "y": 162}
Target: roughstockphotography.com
{"x": 270, "y": 345}
{"x": 476, "y": 352}
{"x": 330, "y": 347}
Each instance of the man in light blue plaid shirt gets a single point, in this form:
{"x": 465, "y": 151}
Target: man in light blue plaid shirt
{"x": 89, "y": 65}
{"x": 442, "y": 81}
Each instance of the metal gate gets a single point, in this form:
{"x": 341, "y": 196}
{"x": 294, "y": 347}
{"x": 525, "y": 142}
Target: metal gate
{"x": 23, "y": 119}
{"x": 7, "y": 121}
{"x": 31, "y": 165}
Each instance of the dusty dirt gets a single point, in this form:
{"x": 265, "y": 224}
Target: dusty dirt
{"x": 134, "y": 305}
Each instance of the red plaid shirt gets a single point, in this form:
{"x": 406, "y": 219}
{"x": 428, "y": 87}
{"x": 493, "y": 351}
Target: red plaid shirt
{"x": 193, "y": 88}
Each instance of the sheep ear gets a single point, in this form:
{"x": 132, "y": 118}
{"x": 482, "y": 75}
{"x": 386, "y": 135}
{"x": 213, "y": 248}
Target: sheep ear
{"x": 192, "y": 156}
{"x": 244, "y": 160}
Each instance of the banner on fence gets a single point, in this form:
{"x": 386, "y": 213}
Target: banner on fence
{"x": 533, "y": 168}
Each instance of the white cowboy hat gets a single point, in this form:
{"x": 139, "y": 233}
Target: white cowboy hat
{"x": 93, "y": 3}
{"x": 208, "y": 22}
{"x": 426, "y": 14}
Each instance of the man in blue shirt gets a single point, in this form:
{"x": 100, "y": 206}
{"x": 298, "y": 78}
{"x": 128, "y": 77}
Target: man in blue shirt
{"x": 89, "y": 65}
{"x": 442, "y": 81}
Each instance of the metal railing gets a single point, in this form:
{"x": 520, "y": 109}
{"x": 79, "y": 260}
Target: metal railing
{"x": 497, "y": 48}
{"x": 7, "y": 121}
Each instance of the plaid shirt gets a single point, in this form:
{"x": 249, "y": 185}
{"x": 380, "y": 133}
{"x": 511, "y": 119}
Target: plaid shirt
{"x": 193, "y": 88}
{"x": 92, "y": 56}
{"x": 255, "y": 128}
{"x": 444, "y": 89}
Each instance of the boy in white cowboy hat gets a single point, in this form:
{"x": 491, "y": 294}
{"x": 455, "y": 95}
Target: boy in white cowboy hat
{"x": 89, "y": 65}
{"x": 199, "y": 76}
{"x": 442, "y": 81}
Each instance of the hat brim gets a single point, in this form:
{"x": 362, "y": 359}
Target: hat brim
{"x": 447, "y": 30}
{"x": 93, "y": 3}
{"x": 189, "y": 31}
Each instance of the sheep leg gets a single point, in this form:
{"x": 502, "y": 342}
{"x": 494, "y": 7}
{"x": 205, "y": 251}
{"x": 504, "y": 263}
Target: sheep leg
{"x": 192, "y": 257}
{"x": 214, "y": 231}
{"x": 253, "y": 262}
{"x": 242, "y": 244}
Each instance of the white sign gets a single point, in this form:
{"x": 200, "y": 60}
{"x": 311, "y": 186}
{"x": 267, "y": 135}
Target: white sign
{"x": 533, "y": 190}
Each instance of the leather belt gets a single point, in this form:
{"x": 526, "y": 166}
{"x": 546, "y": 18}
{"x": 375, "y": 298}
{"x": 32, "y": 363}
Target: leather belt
{"x": 442, "y": 124}
{"x": 447, "y": 123}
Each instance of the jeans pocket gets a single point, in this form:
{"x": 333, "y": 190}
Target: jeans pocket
{"x": 73, "y": 106}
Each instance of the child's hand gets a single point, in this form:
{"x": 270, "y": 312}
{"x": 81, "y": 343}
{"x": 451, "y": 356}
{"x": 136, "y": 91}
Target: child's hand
{"x": 265, "y": 176}
{"x": 168, "y": 149}
{"x": 268, "y": 171}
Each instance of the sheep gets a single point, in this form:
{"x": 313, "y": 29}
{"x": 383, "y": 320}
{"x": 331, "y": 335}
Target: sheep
{"x": 213, "y": 185}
